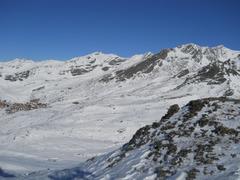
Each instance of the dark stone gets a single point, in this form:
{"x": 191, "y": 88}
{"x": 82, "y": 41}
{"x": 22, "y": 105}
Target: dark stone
{"x": 115, "y": 61}
{"x": 106, "y": 78}
{"x": 105, "y": 68}
{"x": 221, "y": 167}
{"x": 33, "y": 104}
{"x": 192, "y": 174}
{"x": 196, "y": 105}
{"x": 3, "y": 104}
{"x": 38, "y": 89}
{"x": 221, "y": 130}
{"x": 76, "y": 72}
{"x": 145, "y": 67}
{"x": 155, "y": 125}
{"x": 75, "y": 102}
{"x": 203, "y": 121}
{"x": 162, "y": 174}
{"x": 18, "y": 76}
{"x": 171, "y": 111}
{"x": 140, "y": 137}
{"x": 229, "y": 92}
{"x": 183, "y": 73}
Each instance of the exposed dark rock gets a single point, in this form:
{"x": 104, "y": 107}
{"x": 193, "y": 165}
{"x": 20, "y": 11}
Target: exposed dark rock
{"x": 105, "y": 68}
{"x": 200, "y": 153}
{"x": 221, "y": 167}
{"x": 106, "y": 78}
{"x": 145, "y": 67}
{"x": 3, "y": 104}
{"x": 10, "y": 78}
{"x": 213, "y": 73}
{"x": 38, "y": 89}
{"x": 18, "y": 76}
{"x": 192, "y": 174}
{"x": 197, "y": 105}
{"x": 229, "y": 92}
{"x": 203, "y": 121}
{"x": 162, "y": 173}
{"x": 171, "y": 111}
{"x": 184, "y": 152}
{"x": 189, "y": 48}
{"x": 33, "y": 104}
{"x": 193, "y": 50}
{"x": 139, "y": 138}
{"x": 162, "y": 138}
{"x": 221, "y": 130}
{"x": 115, "y": 61}
{"x": 75, "y": 102}
{"x": 168, "y": 126}
{"x": 183, "y": 73}
{"x": 93, "y": 61}
{"x": 76, "y": 72}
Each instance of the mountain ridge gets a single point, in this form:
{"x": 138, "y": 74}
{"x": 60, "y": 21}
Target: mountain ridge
{"x": 220, "y": 46}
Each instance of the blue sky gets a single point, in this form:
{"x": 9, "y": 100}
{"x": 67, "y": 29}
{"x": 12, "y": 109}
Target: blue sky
{"x": 61, "y": 29}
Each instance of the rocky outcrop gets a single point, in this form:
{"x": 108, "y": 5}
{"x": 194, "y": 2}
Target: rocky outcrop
{"x": 3, "y": 104}
{"x": 76, "y": 72}
{"x": 33, "y": 104}
{"x": 198, "y": 141}
{"x": 18, "y": 76}
{"x": 213, "y": 73}
{"x": 145, "y": 67}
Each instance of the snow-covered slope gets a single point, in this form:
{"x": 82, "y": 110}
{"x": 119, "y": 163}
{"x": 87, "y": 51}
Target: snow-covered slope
{"x": 198, "y": 141}
{"x": 95, "y": 103}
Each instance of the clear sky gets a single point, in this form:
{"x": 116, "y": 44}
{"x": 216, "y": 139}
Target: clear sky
{"x": 62, "y": 29}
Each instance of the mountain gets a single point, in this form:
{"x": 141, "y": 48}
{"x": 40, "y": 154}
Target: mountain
{"x": 57, "y": 114}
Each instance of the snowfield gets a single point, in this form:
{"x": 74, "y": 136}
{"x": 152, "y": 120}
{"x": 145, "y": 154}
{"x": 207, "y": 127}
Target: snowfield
{"x": 96, "y": 103}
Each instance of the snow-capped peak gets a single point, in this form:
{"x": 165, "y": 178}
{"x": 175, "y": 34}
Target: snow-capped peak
{"x": 18, "y": 61}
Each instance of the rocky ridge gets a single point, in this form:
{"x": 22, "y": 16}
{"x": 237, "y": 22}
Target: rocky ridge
{"x": 198, "y": 141}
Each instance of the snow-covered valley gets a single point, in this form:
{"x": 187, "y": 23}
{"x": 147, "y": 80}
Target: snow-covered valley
{"x": 95, "y": 103}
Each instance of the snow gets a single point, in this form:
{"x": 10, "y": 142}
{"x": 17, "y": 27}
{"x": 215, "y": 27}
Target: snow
{"x": 107, "y": 114}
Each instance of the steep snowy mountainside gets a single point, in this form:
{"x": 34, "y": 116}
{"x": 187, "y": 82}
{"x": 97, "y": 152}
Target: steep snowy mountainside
{"x": 190, "y": 67}
{"x": 67, "y": 112}
{"x": 188, "y": 58}
{"x": 198, "y": 141}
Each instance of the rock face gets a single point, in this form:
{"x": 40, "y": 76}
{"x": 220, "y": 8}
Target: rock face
{"x": 145, "y": 67}
{"x": 18, "y": 76}
{"x": 191, "y": 64}
{"x": 198, "y": 141}
{"x": 3, "y": 104}
{"x": 214, "y": 73}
